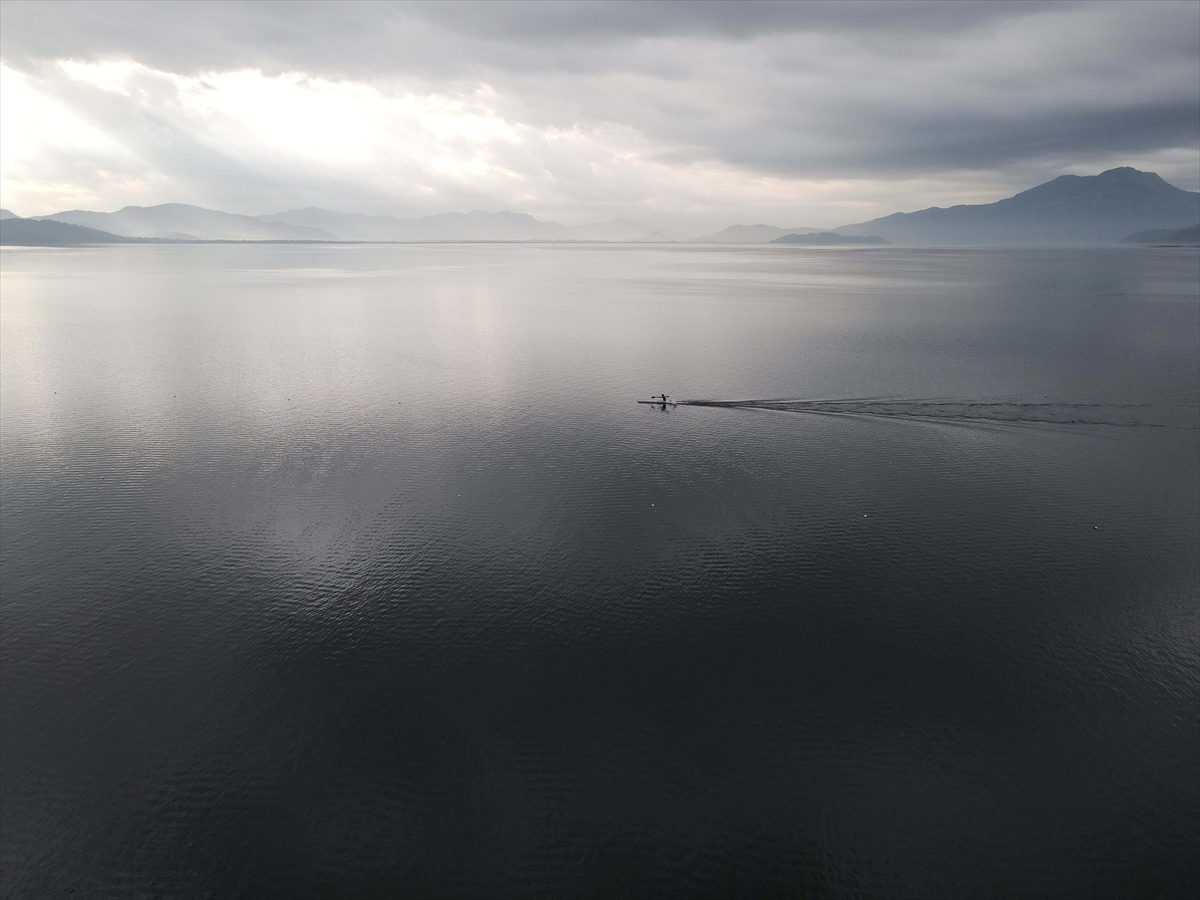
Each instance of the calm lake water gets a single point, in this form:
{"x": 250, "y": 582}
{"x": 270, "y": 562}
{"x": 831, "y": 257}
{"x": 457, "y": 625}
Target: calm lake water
{"x": 355, "y": 571}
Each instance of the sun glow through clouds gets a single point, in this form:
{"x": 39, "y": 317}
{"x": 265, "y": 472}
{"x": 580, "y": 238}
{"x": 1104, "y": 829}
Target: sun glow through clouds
{"x": 697, "y": 123}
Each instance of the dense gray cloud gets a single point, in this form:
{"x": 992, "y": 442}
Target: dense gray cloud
{"x": 365, "y": 37}
{"x": 659, "y": 109}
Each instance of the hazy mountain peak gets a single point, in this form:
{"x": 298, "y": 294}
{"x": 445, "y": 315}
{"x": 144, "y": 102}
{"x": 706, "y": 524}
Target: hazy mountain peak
{"x": 1124, "y": 180}
{"x": 183, "y": 220}
{"x": 173, "y": 209}
{"x": 168, "y": 207}
{"x": 7, "y": 214}
{"x": 1069, "y": 209}
{"x": 1129, "y": 172}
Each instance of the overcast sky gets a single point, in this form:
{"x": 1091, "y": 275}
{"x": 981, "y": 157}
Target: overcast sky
{"x": 681, "y": 115}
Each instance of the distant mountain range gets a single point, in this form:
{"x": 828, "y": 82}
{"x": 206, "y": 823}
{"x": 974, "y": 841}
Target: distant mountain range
{"x": 15, "y": 231}
{"x": 1071, "y": 209}
{"x": 827, "y": 238}
{"x": 179, "y": 221}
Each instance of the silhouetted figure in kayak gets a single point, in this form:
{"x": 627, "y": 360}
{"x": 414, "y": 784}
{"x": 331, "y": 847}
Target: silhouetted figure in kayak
{"x": 664, "y": 397}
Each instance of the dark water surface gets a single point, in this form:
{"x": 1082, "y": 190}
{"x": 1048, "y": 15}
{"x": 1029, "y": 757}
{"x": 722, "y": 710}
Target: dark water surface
{"x": 356, "y": 572}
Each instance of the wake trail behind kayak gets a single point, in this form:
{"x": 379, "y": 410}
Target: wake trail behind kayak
{"x": 1129, "y": 415}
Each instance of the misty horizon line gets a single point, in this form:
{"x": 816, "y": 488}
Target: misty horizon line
{"x": 1113, "y": 206}
{"x": 551, "y": 218}
{"x": 584, "y": 220}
